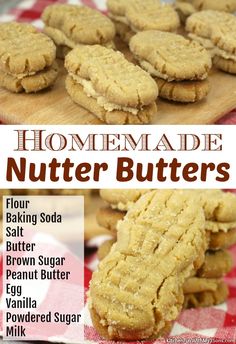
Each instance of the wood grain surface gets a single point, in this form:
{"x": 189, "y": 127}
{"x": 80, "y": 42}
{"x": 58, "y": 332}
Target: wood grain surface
{"x": 54, "y": 106}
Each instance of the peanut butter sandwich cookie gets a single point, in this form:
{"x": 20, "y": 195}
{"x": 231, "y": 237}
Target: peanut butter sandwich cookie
{"x": 180, "y": 67}
{"x": 106, "y": 84}
{"x": 217, "y": 5}
{"x": 138, "y": 288}
{"x": 207, "y": 287}
{"x": 132, "y": 16}
{"x": 27, "y": 58}
{"x": 109, "y": 217}
{"x": 219, "y": 207}
{"x": 70, "y": 25}
{"x": 216, "y": 31}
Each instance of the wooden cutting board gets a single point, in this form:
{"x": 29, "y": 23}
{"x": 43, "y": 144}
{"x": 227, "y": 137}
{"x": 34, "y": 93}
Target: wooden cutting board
{"x": 54, "y": 106}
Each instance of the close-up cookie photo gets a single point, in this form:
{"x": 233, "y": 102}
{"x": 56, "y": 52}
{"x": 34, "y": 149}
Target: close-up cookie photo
{"x": 117, "y": 62}
{"x": 159, "y": 265}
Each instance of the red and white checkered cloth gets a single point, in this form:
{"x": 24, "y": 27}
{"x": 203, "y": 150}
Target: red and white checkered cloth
{"x": 30, "y": 11}
{"x": 218, "y": 324}
{"x": 54, "y": 295}
{"x": 215, "y": 323}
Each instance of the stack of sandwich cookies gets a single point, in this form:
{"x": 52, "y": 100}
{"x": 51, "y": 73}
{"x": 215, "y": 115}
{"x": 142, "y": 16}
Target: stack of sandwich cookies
{"x": 106, "y": 84}
{"x": 136, "y": 15}
{"x": 70, "y": 25}
{"x": 216, "y": 31}
{"x": 138, "y": 289}
{"x": 27, "y": 58}
{"x": 205, "y": 287}
{"x": 180, "y": 67}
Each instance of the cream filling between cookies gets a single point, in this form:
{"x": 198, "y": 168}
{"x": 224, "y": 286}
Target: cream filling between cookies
{"x": 205, "y": 42}
{"x": 214, "y": 51}
{"x": 222, "y": 53}
{"x": 101, "y": 100}
{"x": 154, "y": 72}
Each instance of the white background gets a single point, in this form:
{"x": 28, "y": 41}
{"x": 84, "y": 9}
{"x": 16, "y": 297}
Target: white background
{"x": 8, "y": 143}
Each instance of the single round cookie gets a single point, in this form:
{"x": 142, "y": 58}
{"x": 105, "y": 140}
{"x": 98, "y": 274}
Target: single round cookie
{"x": 150, "y": 15}
{"x": 30, "y": 84}
{"x": 170, "y": 56}
{"x": 23, "y": 50}
{"x": 183, "y": 91}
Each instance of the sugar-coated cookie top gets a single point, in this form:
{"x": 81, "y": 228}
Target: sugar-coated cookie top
{"x": 118, "y": 7}
{"x": 23, "y": 49}
{"x": 122, "y": 199}
{"x": 112, "y": 76}
{"x": 150, "y": 15}
{"x": 172, "y": 55}
{"x": 159, "y": 240}
{"x": 80, "y": 23}
{"x": 219, "y": 27}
